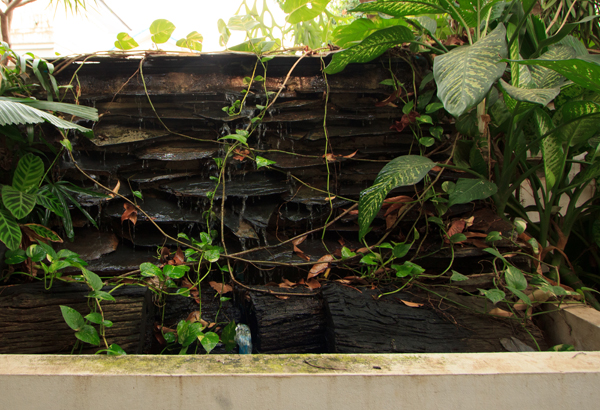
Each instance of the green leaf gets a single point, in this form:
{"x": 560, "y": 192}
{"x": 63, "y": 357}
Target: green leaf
{"x": 345, "y": 35}
{"x": 495, "y": 253}
{"x": 370, "y": 48}
{"x": 228, "y": 336}
{"x": 562, "y": 348}
{"x": 209, "y": 341}
{"x": 192, "y": 41}
{"x": 596, "y": 231}
{"x": 10, "y": 233}
{"x": 29, "y": 172}
{"x": 458, "y": 237}
{"x": 581, "y": 122}
{"x": 457, "y": 277}
{"x": 50, "y": 253}
{"x": 44, "y": 232}
{"x": 67, "y": 144}
{"x": 82, "y": 111}
{"x": 514, "y": 277}
{"x": 36, "y": 253}
{"x": 94, "y": 317}
{"x": 370, "y": 259}
{"x": 149, "y": 270}
{"x": 16, "y": 256}
{"x": 467, "y": 190}
{"x": 401, "y": 171}
{"x": 518, "y": 293}
{"x": 347, "y": 253}
{"x": 125, "y": 42}
{"x": 92, "y": 279}
{"x": 583, "y": 70}
{"x": 107, "y": 323}
{"x": 48, "y": 199}
{"x": 19, "y": 203}
{"x": 14, "y": 112}
{"x": 400, "y": 8}
{"x": 72, "y": 317}
{"x": 88, "y": 334}
{"x": 401, "y": 250}
{"x": 303, "y": 10}
{"x": 493, "y": 236}
{"x": 161, "y": 30}
{"x": 237, "y": 137}
{"x": 175, "y": 272}
{"x": 212, "y": 255}
{"x": 495, "y": 295}
{"x": 115, "y": 350}
{"x": 101, "y": 295}
{"x": 263, "y": 162}
{"x": 541, "y": 96}
{"x": 465, "y": 75}
{"x": 552, "y": 147}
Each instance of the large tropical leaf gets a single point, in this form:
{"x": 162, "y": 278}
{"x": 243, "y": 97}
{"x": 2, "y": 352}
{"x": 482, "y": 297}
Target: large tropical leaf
{"x": 12, "y": 112}
{"x": 545, "y": 77}
{"x": 10, "y": 233}
{"x": 467, "y": 190}
{"x": 552, "y": 148}
{"x": 580, "y": 119}
{"x": 541, "y": 96}
{"x": 465, "y": 75}
{"x": 303, "y": 10}
{"x": 401, "y": 171}
{"x": 401, "y": 8}
{"x": 345, "y": 35}
{"x": 370, "y": 48}
{"x": 81, "y": 111}
{"x": 19, "y": 203}
{"x": 29, "y": 172}
{"x": 583, "y": 70}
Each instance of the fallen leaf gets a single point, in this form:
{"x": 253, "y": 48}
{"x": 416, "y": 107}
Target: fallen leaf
{"x": 436, "y": 168}
{"x": 499, "y": 312}
{"x": 397, "y": 199}
{"x": 411, "y": 304}
{"x": 164, "y": 254}
{"x": 130, "y": 213}
{"x": 469, "y": 222}
{"x": 456, "y": 227}
{"x": 115, "y": 189}
{"x": 193, "y": 316}
{"x": 179, "y": 257}
{"x": 221, "y": 288}
{"x": 390, "y": 220}
{"x": 313, "y": 283}
{"x": 282, "y": 297}
{"x": 289, "y": 283}
{"x": 299, "y": 240}
{"x": 406, "y": 120}
{"x": 329, "y": 157}
{"x": 475, "y": 235}
{"x": 352, "y": 212}
{"x": 241, "y": 154}
{"x": 330, "y": 198}
{"x": 350, "y": 155}
{"x": 321, "y": 265}
{"x": 362, "y": 250}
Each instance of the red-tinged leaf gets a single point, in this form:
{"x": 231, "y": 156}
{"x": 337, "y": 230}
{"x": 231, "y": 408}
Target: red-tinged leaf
{"x": 391, "y": 209}
{"x": 412, "y": 304}
{"x": 179, "y": 257}
{"x": 313, "y": 283}
{"x": 406, "y": 120}
{"x": 352, "y": 212}
{"x": 289, "y": 283}
{"x": 363, "y": 250}
{"x": 391, "y": 99}
{"x": 185, "y": 283}
{"x": 130, "y": 213}
{"x": 221, "y": 288}
{"x": 350, "y": 155}
{"x": 301, "y": 254}
{"x": 402, "y": 199}
{"x": 321, "y": 266}
{"x": 475, "y": 235}
{"x": 299, "y": 240}
{"x": 284, "y": 285}
{"x": 196, "y": 295}
{"x": 329, "y": 157}
{"x": 342, "y": 242}
{"x": 301, "y": 281}
{"x": 437, "y": 168}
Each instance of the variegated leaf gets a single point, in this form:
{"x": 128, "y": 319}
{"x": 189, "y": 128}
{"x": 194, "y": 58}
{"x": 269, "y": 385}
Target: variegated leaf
{"x": 581, "y": 120}
{"x": 401, "y": 8}
{"x": 10, "y": 233}
{"x": 465, "y": 75}
{"x": 401, "y": 171}
{"x": 552, "y": 148}
{"x": 43, "y": 232}
{"x": 583, "y": 70}
{"x": 19, "y": 203}
{"x": 545, "y": 77}
{"x": 370, "y": 48}
{"x": 541, "y": 96}
{"x": 29, "y": 172}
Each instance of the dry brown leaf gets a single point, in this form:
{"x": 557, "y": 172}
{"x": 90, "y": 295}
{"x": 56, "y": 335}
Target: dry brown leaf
{"x": 351, "y": 155}
{"x": 362, "y": 250}
{"x": 412, "y": 304}
{"x": 193, "y": 316}
{"x": 301, "y": 254}
{"x": 330, "y": 198}
{"x": 164, "y": 254}
{"x": 437, "y": 168}
{"x": 321, "y": 265}
{"x": 469, "y": 222}
{"x": 289, "y": 283}
{"x": 390, "y": 220}
{"x": 179, "y": 257}
{"x": 456, "y": 227}
{"x": 397, "y": 199}
{"x": 499, "y": 312}
{"x": 221, "y": 288}
{"x": 313, "y": 283}
{"x": 352, "y": 212}
{"x": 115, "y": 189}
{"x": 330, "y": 157}
{"x": 282, "y": 297}
{"x": 299, "y": 240}
{"x": 130, "y": 213}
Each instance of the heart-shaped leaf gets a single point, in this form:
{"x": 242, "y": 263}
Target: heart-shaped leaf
{"x": 161, "y": 30}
